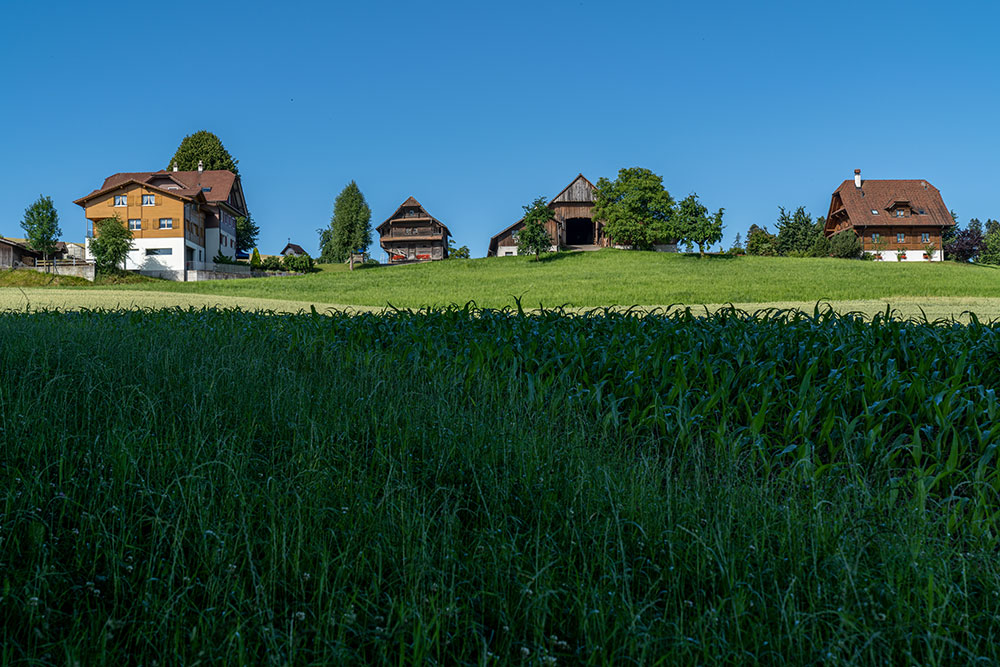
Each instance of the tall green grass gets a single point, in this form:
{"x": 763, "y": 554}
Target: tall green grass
{"x": 466, "y": 487}
{"x": 614, "y": 277}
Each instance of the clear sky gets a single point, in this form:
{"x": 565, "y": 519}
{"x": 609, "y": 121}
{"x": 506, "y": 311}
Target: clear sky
{"x": 476, "y": 108}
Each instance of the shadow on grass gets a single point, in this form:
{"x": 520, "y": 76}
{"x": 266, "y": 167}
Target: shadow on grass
{"x": 715, "y": 257}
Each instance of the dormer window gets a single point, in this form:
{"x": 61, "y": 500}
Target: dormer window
{"x": 900, "y": 212}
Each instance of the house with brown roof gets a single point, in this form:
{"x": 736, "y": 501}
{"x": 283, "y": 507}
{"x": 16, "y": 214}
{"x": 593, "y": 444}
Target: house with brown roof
{"x": 897, "y": 219}
{"x": 411, "y": 234}
{"x": 180, "y": 220}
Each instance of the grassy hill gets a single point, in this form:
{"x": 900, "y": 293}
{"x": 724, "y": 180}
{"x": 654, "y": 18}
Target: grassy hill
{"x": 613, "y": 277}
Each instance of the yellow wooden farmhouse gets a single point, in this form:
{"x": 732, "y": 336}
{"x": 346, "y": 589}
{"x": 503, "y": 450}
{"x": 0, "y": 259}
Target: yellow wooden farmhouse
{"x": 180, "y": 220}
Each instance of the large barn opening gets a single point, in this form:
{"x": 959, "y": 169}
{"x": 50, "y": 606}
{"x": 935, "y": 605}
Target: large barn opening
{"x": 579, "y": 231}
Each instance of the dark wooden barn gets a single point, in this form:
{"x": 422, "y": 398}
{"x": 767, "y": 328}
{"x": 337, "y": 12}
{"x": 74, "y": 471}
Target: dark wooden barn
{"x": 411, "y": 234}
{"x": 573, "y": 224}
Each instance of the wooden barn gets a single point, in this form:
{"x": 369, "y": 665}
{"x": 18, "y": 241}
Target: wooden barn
{"x": 573, "y": 224}
{"x": 411, "y": 234}
{"x": 14, "y": 254}
{"x": 898, "y": 219}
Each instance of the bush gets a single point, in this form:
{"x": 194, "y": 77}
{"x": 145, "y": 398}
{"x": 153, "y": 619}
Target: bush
{"x": 255, "y": 263}
{"x": 270, "y": 263}
{"x": 300, "y": 263}
{"x": 845, "y": 245}
{"x": 820, "y": 247}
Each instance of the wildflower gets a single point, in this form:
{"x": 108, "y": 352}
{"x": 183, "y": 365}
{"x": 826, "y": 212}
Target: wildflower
{"x": 32, "y": 602}
{"x": 300, "y": 616}
{"x": 525, "y": 651}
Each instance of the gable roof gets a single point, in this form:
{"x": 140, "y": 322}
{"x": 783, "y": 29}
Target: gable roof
{"x": 881, "y": 195}
{"x": 214, "y": 185}
{"x": 294, "y": 247}
{"x": 412, "y": 203}
{"x": 579, "y": 190}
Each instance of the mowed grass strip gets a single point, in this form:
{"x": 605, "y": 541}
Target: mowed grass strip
{"x": 614, "y": 277}
{"x": 466, "y": 487}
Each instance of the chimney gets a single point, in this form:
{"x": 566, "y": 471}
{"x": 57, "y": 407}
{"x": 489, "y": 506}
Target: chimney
{"x": 201, "y": 168}
{"x": 174, "y": 165}
{"x": 857, "y": 178}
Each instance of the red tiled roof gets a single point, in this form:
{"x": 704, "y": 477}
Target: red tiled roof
{"x": 220, "y": 182}
{"x": 881, "y": 195}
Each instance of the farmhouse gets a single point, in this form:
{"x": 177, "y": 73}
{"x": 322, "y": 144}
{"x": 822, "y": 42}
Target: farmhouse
{"x": 411, "y": 234}
{"x": 573, "y": 224}
{"x": 180, "y": 220}
{"x": 900, "y": 219}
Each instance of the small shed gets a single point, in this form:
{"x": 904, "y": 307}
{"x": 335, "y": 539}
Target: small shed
{"x": 14, "y": 254}
{"x": 293, "y": 250}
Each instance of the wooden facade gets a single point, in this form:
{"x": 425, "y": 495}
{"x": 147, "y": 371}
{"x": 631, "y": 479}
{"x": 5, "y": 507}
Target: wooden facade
{"x": 411, "y": 234}
{"x": 573, "y": 223}
{"x": 899, "y": 218}
{"x": 14, "y": 254}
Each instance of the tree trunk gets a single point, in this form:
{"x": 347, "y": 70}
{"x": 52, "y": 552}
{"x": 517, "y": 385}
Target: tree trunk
{"x": 701, "y": 251}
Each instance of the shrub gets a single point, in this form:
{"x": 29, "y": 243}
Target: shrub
{"x": 300, "y": 263}
{"x": 845, "y": 245}
{"x": 255, "y": 263}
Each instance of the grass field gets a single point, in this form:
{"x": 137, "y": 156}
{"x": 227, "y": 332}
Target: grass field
{"x": 466, "y": 487}
{"x": 613, "y": 278}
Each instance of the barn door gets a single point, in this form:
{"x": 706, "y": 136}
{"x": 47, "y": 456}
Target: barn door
{"x": 6, "y": 255}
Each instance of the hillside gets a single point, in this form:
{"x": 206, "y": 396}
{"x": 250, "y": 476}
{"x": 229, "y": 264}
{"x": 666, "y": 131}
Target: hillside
{"x": 613, "y": 277}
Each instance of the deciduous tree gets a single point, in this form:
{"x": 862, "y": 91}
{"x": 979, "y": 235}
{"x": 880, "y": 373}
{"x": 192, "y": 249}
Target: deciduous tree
{"x": 41, "y": 226}
{"x": 989, "y": 252}
{"x": 761, "y": 242}
{"x": 693, "y": 222}
{"x": 635, "y": 207}
{"x": 111, "y": 244}
{"x": 247, "y": 232}
{"x": 204, "y": 146}
{"x": 457, "y": 253}
{"x": 534, "y": 238}
{"x": 964, "y": 244}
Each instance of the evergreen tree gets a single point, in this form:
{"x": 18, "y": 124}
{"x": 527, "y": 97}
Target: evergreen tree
{"x": 796, "y": 231}
{"x": 965, "y": 244}
{"x": 204, "y": 146}
{"x": 636, "y": 208}
{"x": 533, "y": 238}
{"x": 692, "y": 222}
{"x": 111, "y": 244}
{"x": 41, "y": 226}
{"x": 255, "y": 260}
{"x": 350, "y": 228}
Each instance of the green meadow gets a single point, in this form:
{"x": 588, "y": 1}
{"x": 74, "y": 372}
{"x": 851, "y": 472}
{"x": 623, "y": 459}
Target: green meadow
{"x": 611, "y": 277}
{"x": 485, "y": 487}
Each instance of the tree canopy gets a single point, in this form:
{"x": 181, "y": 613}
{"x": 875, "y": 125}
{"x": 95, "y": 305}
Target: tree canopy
{"x": 246, "y": 233}
{"x": 964, "y": 244}
{"x": 635, "y": 207}
{"x": 796, "y": 231}
{"x": 204, "y": 146}
{"x": 350, "y": 229}
{"x": 111, "y": 244}
{"x": 692, "y": 222}
{"x": 534, "y": 238}
{"x": 761, "y": 242}
{"x": 41, "y": 225}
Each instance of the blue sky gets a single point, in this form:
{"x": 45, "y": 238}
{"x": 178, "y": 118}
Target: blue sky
{"x": 477, "y": 108}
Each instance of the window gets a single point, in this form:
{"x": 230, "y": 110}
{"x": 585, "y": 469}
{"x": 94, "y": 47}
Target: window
{"x": 925, "y": 237}
{"x": 900, "y": 238}
{"x": 159, "y": 251}
{"x": 876, "y": 237}
{"x": 166, "y": 223}
{"x": 149, "y": 200}
{"x": 134, "y": 223}
{"x": 874, "y": 211}
{"x": 121, "y": 200}
{"x": 900, "y": 212}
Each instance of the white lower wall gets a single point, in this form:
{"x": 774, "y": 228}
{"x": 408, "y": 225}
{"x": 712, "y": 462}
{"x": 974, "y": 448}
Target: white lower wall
{"x": 911, "y": 256}
{"x": 170, "y": 266}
